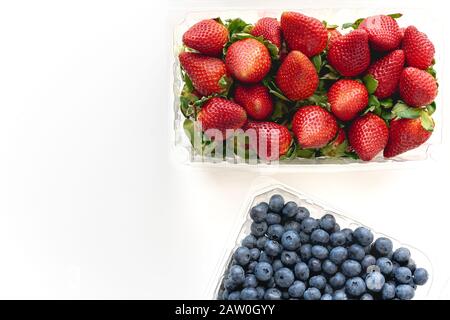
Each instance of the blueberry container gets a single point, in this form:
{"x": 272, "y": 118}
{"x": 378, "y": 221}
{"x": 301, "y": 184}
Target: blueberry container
{"x": 185, "y": 15}
{"x": 317, "y": 209}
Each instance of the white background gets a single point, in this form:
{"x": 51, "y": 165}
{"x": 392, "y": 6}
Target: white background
{"x": 93, "y": 204}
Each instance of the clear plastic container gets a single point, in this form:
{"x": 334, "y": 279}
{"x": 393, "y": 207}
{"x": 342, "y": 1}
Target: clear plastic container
{"x": 317, "y": 209}
{"x": 336, "y": 13}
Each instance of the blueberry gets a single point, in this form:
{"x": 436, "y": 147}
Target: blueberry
{"x": 319, "y": 252}
{"x": 366, "y": 296}
{"x": 375, "y": 281}
{"x": 263, "y": 271}
{"x": 320, "y": 236}
{"x": 337, "y": 281}
{"x": 329, "y": 267}
{"x": 367, "y": 262}
{"x": 261, "y": 291}
{"x": 404, "y": 292}
{"x": 235, "y": 295}
{"x": 251, "y": 266}
{"x": 312, "y": 294}
{"x": 259, "y": 212}
{"x": 272, "y": 294}
{"x": 302, "y": 214}
{"x": 338, "y": 239}
{"x": 304, "y": 238}
{"x": 403, "y": 275}
{"x": 242, "y": 256}
{"x": 318, "y": 282}
{"x": 284, "y": 278}
{"x": 250, "y": 281}
{"x": 223, "y": 295}
{"x": 254, "y": 254}
{"x": 249, "y": 294}
{"x": 297, "y": 289}
{"x": 261, "y": 242}
{"x": 315, "y": 265}
{"x": 289, "y": 258}
{"x": 340, "y": 295}
{"x": 289, "y": 210}
{"x": 411, "y": 265}
{"x": 327, "y": 222}
{"x": 273, "y": 248}
{"x": 355, "y": 287}
{"x": 382, "y": 247}
{"x": 326, "y": 296}
{"x": 258, "y": 229}
{"x": 249, "y": 241}
{"x": 237, "y": 274}
{"x": 385, "y": 265}
{"x": 336, "y": 228}
{"x": 229, "y": 284}
{"x": 293, "y": 225}
{"x": 351, "y": 268}
{"x": 328, "y": 289}
{"x": 420, "y": 276}
{"x": 338, "y": 255}
{"x": 277, "y": 265}
{"x": 276, "y": 203}
{"x": 301, "y": 271}
{"x": 309, "y": 225}
{"x": 363, "y": 236}
{"x": 356, "y": 252}
{"x": 271, "y": 283}
{"x": 388, "y": 291}
{"x": 348, "y": 235}
{"x": 273, "y": 218}
{"x": 305, "y": 252}
{"x": 290, "y": 240}
{"x": 264, "y": 257}
{"x": 275, "y": 231}
{"x": 401, "y": 255}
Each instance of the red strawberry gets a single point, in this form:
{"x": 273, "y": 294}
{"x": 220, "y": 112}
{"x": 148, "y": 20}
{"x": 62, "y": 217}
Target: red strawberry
{"x": 207, "y": 36}
{"x": 304, "y": 33}
{"x": 405, "y": 135}
{"x": 248, "y": 60}
{"x": 297, "y": 77}
{"x": 205, "y": 72}
{"x": 419, "y": 50}
{"x": 269, "y": 136}
{"x": 384, "y": 33}
{"x": 222, "y": 115}
{"x": 368, "y": 135}
{"x": 387, "y": 71}
{"x": 350, "y": 54}
{"x": 333, "y": 34}
{"x": 255, "y": 99}
{"x": 270, "y": 29}
{"x": 314, "y": 127}
{"x": 417, "y": 87}
{"x": 347, "y": 98}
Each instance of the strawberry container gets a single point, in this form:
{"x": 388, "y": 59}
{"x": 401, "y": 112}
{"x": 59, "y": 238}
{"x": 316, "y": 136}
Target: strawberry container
{"x": 317, "y": 208}
{"x": 336, "y": 13}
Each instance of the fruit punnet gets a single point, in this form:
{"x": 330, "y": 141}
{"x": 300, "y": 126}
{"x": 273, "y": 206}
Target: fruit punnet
{"x": 313, "y": 259}
{"x": 331, "y": 92}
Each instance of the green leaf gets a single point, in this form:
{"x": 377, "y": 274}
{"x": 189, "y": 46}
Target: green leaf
{"x": 335, "y": 151}
{"x": 347, "y": 25}
{"x": 395, "y": 15}
{"x": 403, "y": 111}
{"x": 432, "y": 71}
{"x": 305, "y": 153}
{"x": 236, "y": 26}
{"x": 218, "y": 20}
{"x": 353, "y": 25}
{"x": 427, "y": 121}
{"x": 431, "y": 108}
{"x": 317, "y": 61}
{"x": 188, "y": 126}
{"x": 371, "y": 83}
{"x": 187, "y": 82}
{"x": 387, "y": 103}
{"x": 280, "y": 110}
{"x": 273, "y": 89}
{"x": 225, "y": 83}
{"x": 373, "y": 101}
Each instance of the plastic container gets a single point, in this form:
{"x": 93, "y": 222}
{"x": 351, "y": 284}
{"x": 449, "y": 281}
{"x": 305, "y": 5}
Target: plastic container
{"x": 333, "y": 13}
{"x": 317, "y": 209}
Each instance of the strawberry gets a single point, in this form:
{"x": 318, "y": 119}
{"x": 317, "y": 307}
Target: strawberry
{"x": 207, "y": 36}
{"x": 405, "y": 135}
{"x": 205, "y": 72}
{"x": 333, "y": 34}
{"x": 222, "y": 115}
{"x": 304, "y": 33}
{"x": 297, "y": 77}
{"x": 314, "y": 127}
{"x": 419, "y": 50}
{"x": 384, "y": 32}
{"x": 387, "y": 71}
{"x": 270, "y": 29}
{"x": 255, "y": 99}
{"x": 350, "y": 54}
{"x": 368, "y": 135}
{"x": 248, "y": 60}
{"x": 336, "y": 148}
{"x": 347, "y": 98}
{"x": 272, "y": 140}
{"x": 417, "y": 87}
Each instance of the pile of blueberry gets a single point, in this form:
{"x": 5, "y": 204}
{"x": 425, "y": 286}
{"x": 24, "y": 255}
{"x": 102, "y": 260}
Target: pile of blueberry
{"x": 290, "y": 255}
